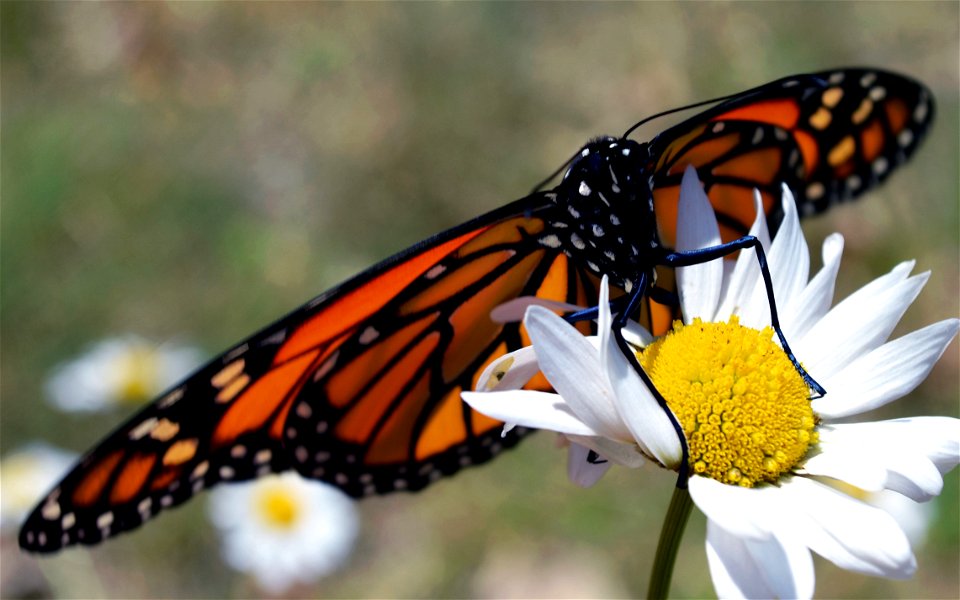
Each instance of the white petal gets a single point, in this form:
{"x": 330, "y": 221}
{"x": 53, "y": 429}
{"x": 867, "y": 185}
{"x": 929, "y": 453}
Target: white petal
{"x": 740, "y": 285}
{"x": 806, "y": 308}
{"x": 747, "y": 512}
{"x": 789, "y": 258}
{"x": 509, "y": 372}
{"x": 538, "y": 410}
{"x": 638, "y": 408}
{"x": 572, "y": 365}
{"x": 886, "y": 373}
{"x": 512, "y": 311}
{"x": 699, "y": 285}
{"x": 863, "y": 321}
{"x": 746, "y": 568}
{"x": 849, "y": 533}
{"x": 847, "y": 463}
{"x": 582, "y": 471}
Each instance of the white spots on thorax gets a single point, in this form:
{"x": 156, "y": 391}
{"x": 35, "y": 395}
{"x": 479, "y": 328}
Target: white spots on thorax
{"x": 614, "y": 220}
{"x": 559, "y": 225}
{"x": 585, "y": 152}
{"x": 573, "y": 212}
{"x": 603, "y": 199}
{"x": 610, "y": 255}
{"x": 577, "y": 241}
{"x": 625, "y": 152}
{"x": 369, "y": 334}
{"x": 550, "y": 241}
{"x": 597, "y": 230}
{"x": 584, "y": 189}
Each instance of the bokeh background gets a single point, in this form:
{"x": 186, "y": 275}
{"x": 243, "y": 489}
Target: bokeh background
{"x": 193, "y": 170}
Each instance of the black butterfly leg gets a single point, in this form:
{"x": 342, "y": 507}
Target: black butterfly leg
{"x": 696, "y": 257}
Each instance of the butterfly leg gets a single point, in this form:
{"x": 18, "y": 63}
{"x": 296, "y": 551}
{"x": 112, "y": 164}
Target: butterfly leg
{"x": 619, "y": 321}
{"x": 590, "y": 314}
{"x": 696, "y": 257}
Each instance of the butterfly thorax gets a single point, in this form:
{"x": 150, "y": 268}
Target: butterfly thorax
{"x": 605, "y": 220}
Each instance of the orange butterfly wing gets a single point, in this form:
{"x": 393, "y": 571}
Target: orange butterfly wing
{"x": 828, "y": 136}
{"x": 423, "y": 311}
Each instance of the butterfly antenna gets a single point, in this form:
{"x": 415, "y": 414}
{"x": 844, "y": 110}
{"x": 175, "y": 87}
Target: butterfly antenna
{"x": 675, "y": 110}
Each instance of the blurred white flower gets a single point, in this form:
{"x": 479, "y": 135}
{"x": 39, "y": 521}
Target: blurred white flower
{"x": 283, "y": 529}
{"x": 759, "y": 449}
{"x": 27, "y": 474}
{"x": 122, "y": 370}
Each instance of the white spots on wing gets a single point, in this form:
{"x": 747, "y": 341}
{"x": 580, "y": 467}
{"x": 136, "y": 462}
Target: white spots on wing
{"x": 262, "y": 456}
{"x": 854, "y": 182}
{"x": 880, "y": 166}
{"x": 69, "y": 520}
{"x": 322, "y": 426}
{"x": 226, "y": 472}
{"x": 837, "y": 77}
{"x": 303, "y": 410}
{"x": 593, "y": 266}
{"x": 584, "y": 189}
{"x": 170, "y": 399}
{"x": 815, "y": 191}
{"x": 867, "y": 79}
{"x": 166, "y": 501}
{"x": 790, "y": 83}
{"x": 276, "y": 338}
{"x": 301, "y": 453}
{"x": 200, "y": 470}
{"x": 105, "y": 520}
{"x": 435, "y": 271}
{"x": 878, "y": 93}
{"x": 326, "y": 366}
{"x": 143, "y": 428}
{"x": 321, "y": 456}
{"x": 365, "y": 478}
{"x": 780, "y": 133}
{"x": 238, "y": 451}
{"x": 718, "y": 127}
{"x": 369, "y": 334}
{"x": 921, "y": 111}
{"x": 145, "y": 507}
{"x": 757, "y": 136}
{"x": 51, "y": 510}
{"x": 341, "y": 479}
{"x": 905, "y": 138}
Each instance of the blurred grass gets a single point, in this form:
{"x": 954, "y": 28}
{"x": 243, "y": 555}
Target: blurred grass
{"x": 195, "y": 170}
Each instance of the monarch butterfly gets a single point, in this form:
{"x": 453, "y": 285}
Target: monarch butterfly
{"x": 361, "y": 386}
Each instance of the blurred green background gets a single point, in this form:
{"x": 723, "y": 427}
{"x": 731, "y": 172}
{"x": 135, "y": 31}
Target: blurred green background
{"x": 194, "y": 170}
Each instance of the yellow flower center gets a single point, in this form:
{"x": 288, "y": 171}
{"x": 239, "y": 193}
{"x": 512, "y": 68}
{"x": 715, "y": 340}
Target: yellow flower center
{"x": 743, "y": 407}
{"x": 137, "y": 372}
{"x": 278, "y": 505}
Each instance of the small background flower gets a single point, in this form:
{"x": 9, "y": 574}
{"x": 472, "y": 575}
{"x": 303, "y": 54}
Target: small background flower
{"x": 118, "y": 371}
{"x": 284, "y": 530}
{"x": 25, "y": 476}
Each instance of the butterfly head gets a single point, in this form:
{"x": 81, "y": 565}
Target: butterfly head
{"x": 606, "y": 221}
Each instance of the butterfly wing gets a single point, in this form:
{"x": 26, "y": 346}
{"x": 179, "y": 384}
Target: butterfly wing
{"x": 829, "y": 136}
{"x": 425, "y": 309}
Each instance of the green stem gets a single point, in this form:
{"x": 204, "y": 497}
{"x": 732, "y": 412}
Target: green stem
{"x": 670, "y": 535}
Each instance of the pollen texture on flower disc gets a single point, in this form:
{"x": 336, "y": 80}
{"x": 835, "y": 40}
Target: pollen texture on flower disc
{"x": 744, "y": 408}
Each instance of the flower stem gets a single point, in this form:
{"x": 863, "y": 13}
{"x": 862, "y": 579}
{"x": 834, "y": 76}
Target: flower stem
{"x": 670, "y": 535}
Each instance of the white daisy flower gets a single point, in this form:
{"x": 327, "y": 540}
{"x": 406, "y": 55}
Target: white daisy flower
{"x": 27, "y": 474}
{"x": 122, "y": 370}
{"x": 283, "y": 529}
{"x": 759, "y": 449}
